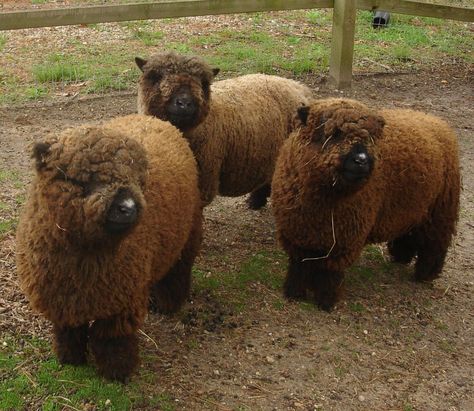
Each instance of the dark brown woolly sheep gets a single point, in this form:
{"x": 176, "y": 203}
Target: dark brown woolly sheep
{"x": 349, "y": 176}
{"x": 112, "y": 224}
{"x": 235, "y": 128}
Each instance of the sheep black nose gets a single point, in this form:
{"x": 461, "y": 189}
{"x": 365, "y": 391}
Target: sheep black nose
{"x": 183, "y": 105}
{"x": 184, "y": 102}
{"x": 361, "y": 159}
{"x": 357, "y": 164}
{"x": 122, "y": 215}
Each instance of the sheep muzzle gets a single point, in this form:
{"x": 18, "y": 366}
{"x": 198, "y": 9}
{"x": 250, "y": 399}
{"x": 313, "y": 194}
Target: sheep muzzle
{"x": 182, "y": 110}
{"x": 357, "y": 164}
{"x": 122, "y": 214}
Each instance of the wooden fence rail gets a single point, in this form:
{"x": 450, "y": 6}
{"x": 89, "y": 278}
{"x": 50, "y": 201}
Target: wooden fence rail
{"x": 343, "y": 19}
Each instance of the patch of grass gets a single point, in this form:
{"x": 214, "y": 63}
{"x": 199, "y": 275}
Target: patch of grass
{"x": 204, "y": 280}
{"x": 265, "y": 268}
{"x": 308, "y": 58}
{"x": 149, "y": 38}
{"x": 318, "y": 17}
{"x": 39, "y": 1}
{"x": 20, "y": 199}
{"x": 362, "y": 273}
{"x": 357, "y": 307}
{"x": 374, "y": 254}
{"x": 279, "y": 304}
{"x": 447, "y": 346}
{"x": 7, "y": 226}
{"x": 101, "y": 73}
{"x": 402, "y": 53}
{"x": 35, "y": 93}
{"x": 308, "y": 306}
{"x": 178, "y": 47}
{"x": 9, "y": 176}
{"x": 407, "y": 42}
{"x": 107, "y": 82}
{"x": 32, "y": 377}
{"x": 407, "y": 38}
{"x": 3, "y": 41}
{"x": 59, "y": 72}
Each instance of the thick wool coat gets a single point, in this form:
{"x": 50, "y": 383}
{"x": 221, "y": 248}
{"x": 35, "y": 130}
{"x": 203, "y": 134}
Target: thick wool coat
{"x": 236, "y": 146}
{"x": 414, "y": 185}
{"x": 68, "y": 267}
{"x": 240, "y": 122}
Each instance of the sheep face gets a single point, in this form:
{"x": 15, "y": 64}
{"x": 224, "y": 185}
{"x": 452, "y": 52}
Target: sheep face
{"x": 91, "y": 182}
{"x": 176, "y": 88}
{"x": 338, "y": 142}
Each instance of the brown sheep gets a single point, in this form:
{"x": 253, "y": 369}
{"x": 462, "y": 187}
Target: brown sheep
{"x": 112, "y": 224}
{"x": 349, "y": 176}
{"x": 235, "y": 128}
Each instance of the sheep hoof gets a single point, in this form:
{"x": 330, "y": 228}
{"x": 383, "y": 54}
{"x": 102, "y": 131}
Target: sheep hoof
{"x": 258, "y": 197}
{"x": 403, "y": 249}
{"x": 70, "y": 344}
{"x": 327, "y": 306}
{"x": 424, "y": 277}
{"x": 116, "y": 357}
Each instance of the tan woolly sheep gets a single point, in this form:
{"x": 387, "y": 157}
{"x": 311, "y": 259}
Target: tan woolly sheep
{"x": 349, "y": 176}
{"x": 235, "y": 127}
{"x": 112, "y": 223}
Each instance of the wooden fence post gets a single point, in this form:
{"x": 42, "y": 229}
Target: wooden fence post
{"x": 342, "y": 43}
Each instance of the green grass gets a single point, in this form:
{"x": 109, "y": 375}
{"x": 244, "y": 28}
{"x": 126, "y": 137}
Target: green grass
{"x": 7, "y": 226}
{"x": 32, "y": 375}
{"x": 234, "y": 287}
{"x": 357, "y": 307}
{"x": 409, "y": 38}
{"x": 64, "y": 72}
{"x": 149, "y": 38}
{"x": 9, "y": 176}
{"x": 112, "y": 71}
{"x": 3, "y": 41}
{"x": 260, "y": 45}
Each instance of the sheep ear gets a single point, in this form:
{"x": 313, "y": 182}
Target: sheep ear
{"x": 375, "y": 125}
{"x": 303, "y": 113}
{"x": 140, "y": 62}
{"x": 216, "y": 71}
{"x": 40, "y": 151}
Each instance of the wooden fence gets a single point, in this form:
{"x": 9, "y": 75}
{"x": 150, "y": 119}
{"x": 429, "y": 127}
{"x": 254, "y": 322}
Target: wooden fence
{"x": 343, "y": 29}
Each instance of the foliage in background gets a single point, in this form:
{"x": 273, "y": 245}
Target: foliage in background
{"x": 290, "y": 44}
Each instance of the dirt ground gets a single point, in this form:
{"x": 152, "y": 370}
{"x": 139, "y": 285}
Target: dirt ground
{"x": 411, "y": 348}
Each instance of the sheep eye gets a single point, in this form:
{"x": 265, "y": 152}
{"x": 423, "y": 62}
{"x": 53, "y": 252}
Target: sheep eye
{"x": 64, "y": 177}
{"x": 337, "y": 135}
{"x": 154, "y": 76}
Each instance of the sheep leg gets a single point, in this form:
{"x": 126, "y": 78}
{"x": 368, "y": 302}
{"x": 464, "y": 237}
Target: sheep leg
{"x": 429, "y": 264}
{"x": 168, "y": 295}
{"x": 431, "y": 253}
{"x": 296, "y": 280}
{"x": 327, "y": 286}
{"x": 403, "y": 248}
{"x": 435, "y": 237}
{"x": 116, "y": 354}
{"x": 258, "y": 197}
{"x": 70, "y": 344}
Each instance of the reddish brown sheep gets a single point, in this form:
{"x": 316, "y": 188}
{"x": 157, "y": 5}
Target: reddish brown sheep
{"x": 112, "y": 222}
{"x": 235, "y": 127}
{"x": 349, "y": 176}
